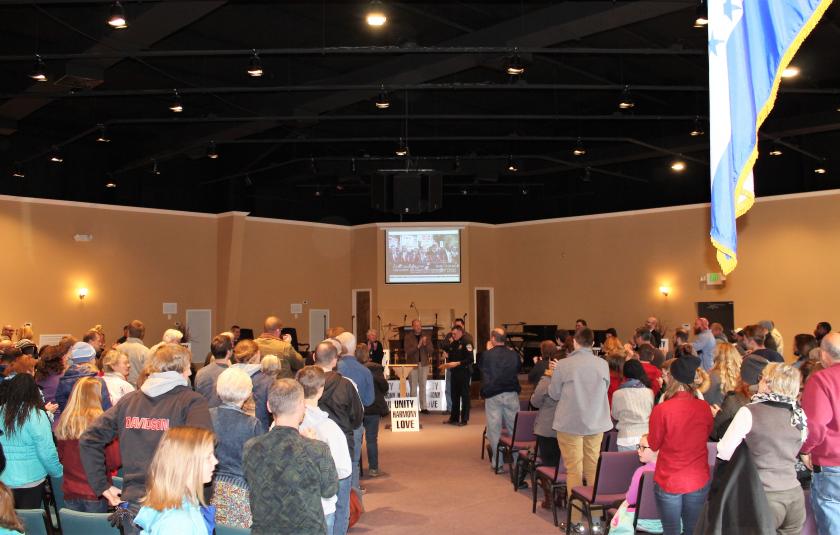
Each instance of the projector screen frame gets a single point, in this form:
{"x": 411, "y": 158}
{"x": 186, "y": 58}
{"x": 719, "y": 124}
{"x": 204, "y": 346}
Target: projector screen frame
{"x": 386, "y": 230}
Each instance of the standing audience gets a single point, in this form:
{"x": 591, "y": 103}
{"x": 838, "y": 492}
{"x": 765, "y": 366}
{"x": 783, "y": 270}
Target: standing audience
{"x": 272, "y": 342}
{"x": 679, "y": 429}
{"x": 233, "y": 429}
{"x": 500, "y": 388}
{"x": 282, "y": 458}
{"x": 135, "y": 349}
{"x": 704, "y": 342}
{"x": 631, "y": 406}
{"x": 221, "y": 348}
{"x": 375, "y": 411}
{"x": 747, "y": 385}
{"x": 26, "y": 441}
{"x": 724, "y": 374}
{"x": 83, "y": 407}
{"x": 547, "y": 448}
{"x": 174, "y": 500}
{"x": 51, "y": 365}
{"x": 349, "y": 367}
{"x": 116, "y": 368}
{"x": 821, "y": 405}
{"x": 83, "y": 365}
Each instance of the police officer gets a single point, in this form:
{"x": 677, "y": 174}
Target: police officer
{"x": 468, "y": 339}
{"x": 459, "y": 360}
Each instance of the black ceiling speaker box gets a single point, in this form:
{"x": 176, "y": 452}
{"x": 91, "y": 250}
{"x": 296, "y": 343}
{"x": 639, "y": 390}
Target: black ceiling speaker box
{"x": 407, "y": 192}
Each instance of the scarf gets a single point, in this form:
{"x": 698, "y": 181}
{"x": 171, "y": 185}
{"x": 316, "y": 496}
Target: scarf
{"x": 797, "y": 418}
{"x": 632, "y": 383}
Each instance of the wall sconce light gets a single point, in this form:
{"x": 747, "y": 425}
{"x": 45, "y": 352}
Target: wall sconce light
{"x": 82, "y": 293}
{"x": 665, "y": 290}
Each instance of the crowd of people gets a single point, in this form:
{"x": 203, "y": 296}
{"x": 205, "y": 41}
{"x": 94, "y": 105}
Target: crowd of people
{"x": 258, "y": 439}
{"x": 775, "y": 424}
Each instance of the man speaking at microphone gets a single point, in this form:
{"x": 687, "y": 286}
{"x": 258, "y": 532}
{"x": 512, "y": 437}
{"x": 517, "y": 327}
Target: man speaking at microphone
{"x": 418, "y": 349}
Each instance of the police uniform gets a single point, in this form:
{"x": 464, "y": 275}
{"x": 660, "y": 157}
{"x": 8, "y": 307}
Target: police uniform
{"x": 460, "y": 351}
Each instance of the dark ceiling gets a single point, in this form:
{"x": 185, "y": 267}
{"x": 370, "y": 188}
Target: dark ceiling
{"x": 305, "y": 141}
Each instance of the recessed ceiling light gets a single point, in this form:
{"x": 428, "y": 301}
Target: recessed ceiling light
{"x": 790, "y": 71}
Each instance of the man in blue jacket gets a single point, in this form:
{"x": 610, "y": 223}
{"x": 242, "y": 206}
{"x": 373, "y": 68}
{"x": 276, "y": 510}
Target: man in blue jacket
{"x": 349, "y": 367}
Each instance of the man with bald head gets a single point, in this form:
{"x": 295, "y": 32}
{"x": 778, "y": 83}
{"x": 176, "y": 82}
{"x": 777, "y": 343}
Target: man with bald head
{"x": 270, "y": 342}
{"x": 499, "y": 387}
{"x": 822, "y": 407}
{"x": 652, "y": 325}
{"x": 704, "y": 343}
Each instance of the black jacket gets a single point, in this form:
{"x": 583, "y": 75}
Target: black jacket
{"x": 380, "y": 388}
{"x": 732, "y": 401}
{"x": 342, "y": 402}
{"x": 736, "y": 502}
{"x": 139, "y": 421}
{"x": 499, "y": 371}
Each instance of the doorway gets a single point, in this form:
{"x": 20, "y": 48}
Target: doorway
{"x": 361, "y": 313}
{"x": 319, "y": 322}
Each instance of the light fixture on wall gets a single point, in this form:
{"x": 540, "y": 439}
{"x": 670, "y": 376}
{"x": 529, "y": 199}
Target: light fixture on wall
{"x": 83, "y": 292}
{"x": 665, "y": 290}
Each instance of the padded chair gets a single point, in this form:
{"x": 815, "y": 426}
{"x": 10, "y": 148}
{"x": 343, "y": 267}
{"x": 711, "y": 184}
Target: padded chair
{"x": 612, "y": 479}
{"x": 77, "y": 523}
{"x": 555, "y": 477}
{"x": 35, "y": 521}
{"x": 484, "y": 444}
{"x": 229, "y": 530}
{"x": 524, "y": 404}
{"x": 610, "y": 441}
{"x": 55, "y": 497}
{"x": 521, "y": 438}
{"x": 646, "y": 508}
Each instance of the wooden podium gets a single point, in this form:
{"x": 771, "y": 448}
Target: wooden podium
{"x": 402, "y": 371}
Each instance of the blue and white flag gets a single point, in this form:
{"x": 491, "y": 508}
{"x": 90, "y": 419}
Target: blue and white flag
{"x": 750, "y": 43}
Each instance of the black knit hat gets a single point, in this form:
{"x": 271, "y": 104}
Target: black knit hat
{"x": 751, "y": 369}
{"x": 684, "y": 369}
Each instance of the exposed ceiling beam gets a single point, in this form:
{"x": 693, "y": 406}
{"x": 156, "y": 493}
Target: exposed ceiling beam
{"x": 159, "y": 21}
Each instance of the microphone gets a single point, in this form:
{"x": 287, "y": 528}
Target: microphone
{"x": 405, "y": 317}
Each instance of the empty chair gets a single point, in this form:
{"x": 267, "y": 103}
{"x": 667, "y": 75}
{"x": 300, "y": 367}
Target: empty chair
{"x": 521, "y": 438}
{"x": 227, "y": 530}
{"x": 646, "y": 508}
{"x": 484, "y": 445}
{"x": 77, "y": 523}
{"x": 35, "y": 521}
{"x": 524, "y": 404}
{"x": 612, "y": 479}
{"x": 56, "y": 499}
{"x": 555, "y": 479}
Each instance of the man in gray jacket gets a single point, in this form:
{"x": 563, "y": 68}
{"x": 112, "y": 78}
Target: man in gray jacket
{"x": 579, "y": 384}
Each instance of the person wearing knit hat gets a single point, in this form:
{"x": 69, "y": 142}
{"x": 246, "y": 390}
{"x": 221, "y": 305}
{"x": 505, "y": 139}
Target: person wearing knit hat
{"x": 82, "y": 358}
{"x": 751, "y": 368}
{"x": 679, "y": 428}
{"x": 26, "y": 346}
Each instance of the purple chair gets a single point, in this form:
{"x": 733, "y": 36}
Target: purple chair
{"x": 524, "y": 404}
{"x": 522, "y": 438}
{"x": 610, "y": 441}
{"x": 612, "y": 479}
{"x": 555, "y": 477}
{"x": 646, "y": 508}
{"x": 504, "y": 433}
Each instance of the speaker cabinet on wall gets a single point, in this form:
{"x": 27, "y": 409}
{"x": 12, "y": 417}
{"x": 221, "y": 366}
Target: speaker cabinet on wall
{"x": 407, "y": 192}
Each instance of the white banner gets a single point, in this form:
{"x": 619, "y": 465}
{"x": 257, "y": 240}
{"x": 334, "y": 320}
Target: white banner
{"x": 405, "y": 415}
{"x": 435, "y": 393}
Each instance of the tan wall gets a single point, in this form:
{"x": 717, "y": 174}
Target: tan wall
{"x": 136, "y": 261}
{"x": 606, "y": 269}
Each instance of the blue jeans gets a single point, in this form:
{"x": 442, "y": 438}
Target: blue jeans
{"x": 87, "y": 506}
{"x": 371, "y": 424}
{"x": 358, "y": 433}
{"x": 674, "y": 508}
{"x": 500, "y": 410}
{"x": 342, "y": 507}
{"x": 329, "y": 520}
{"x": 825, "y": 499}
{"x": 448, "y": 387}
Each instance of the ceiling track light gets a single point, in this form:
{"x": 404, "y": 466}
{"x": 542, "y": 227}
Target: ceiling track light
{"x": 255, "y": 69}
{"x": 212, "y": 153}
{"x": 791, "y": 71}
{"x": 382, "y": 101}
{"x": 579, "y": 149}
{"x": 102, "y": 134}
{"x": 55, "y": 155}
{"x": 17, "y": 170}
{"x": 376, "y": 16}
{"x": 626, "y": 101}
{"x": 820, "y": 170}
{"x": 678, "y": 166}
{"x": 402, "y": 148}
{"x": 697, "y": 130}
{"x": 110, "y": 183}
{"x": 177, "y": 106}
{"x": 39, "y": 70}
{"x": 117, "y": 19}
{"x": 702, "y": 18}
{"x": 511, "y": 165}
{"x": 514, "y": 66}
{"x": 776, "y": 150}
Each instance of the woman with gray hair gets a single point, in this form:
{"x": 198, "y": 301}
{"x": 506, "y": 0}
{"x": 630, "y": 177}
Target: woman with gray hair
{"x": 773, "y": 426}
{"x": 233, "y": 429}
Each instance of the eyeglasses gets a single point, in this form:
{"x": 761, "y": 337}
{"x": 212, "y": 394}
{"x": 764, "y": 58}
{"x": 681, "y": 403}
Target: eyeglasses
{"x": 642, "y": 448}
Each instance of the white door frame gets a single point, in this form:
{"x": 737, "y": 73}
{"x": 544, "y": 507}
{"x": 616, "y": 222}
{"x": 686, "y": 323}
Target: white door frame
{"x": 492, "y": 308}
{"x": 313, "y": 343}
{"x": 353, "y": 307}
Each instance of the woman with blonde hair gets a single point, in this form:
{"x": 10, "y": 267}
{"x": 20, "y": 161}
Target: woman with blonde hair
{"x": 83, "y": 407}
{"x": 612, "y": 345}
{"x": 725, "y": 373}
{"x": 773, "y": 426}
{"x": 10, "y": 523}
{"x": 116, "y": 367}
{"x": 174, "y": 502}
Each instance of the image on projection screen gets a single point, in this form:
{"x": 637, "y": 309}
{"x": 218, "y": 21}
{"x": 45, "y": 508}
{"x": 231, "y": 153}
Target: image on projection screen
{"x": 417, "y": 256}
